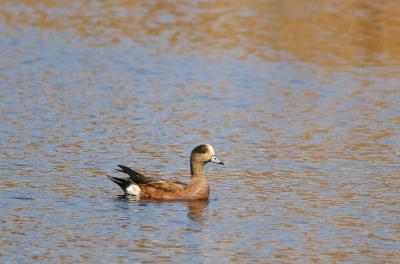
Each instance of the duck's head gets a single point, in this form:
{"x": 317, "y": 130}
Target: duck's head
{"x": 204, "y": 154}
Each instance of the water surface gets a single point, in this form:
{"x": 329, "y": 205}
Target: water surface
{"x": 300, "y": 100}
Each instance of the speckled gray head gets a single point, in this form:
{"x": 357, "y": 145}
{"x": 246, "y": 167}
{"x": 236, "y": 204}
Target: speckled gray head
{"x": 207, "y": 151}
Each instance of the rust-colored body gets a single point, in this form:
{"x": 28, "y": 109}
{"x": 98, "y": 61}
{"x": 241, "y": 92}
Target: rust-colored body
{"x": 164, "y": 190}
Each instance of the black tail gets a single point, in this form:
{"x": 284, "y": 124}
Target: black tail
{"x": 123, "y": 183}
{"x": 135, "y": 176}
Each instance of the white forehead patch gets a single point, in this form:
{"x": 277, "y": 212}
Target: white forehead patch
{"x": 210, "y": 148}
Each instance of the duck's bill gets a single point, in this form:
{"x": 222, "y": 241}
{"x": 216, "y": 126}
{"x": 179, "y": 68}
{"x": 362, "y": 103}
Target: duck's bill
{"x": 216, "y": 160}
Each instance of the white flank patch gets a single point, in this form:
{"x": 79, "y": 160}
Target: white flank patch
{"x": 133, "y": 189}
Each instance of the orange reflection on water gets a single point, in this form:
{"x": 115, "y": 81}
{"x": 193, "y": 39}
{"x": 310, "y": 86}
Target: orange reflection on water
{"x": 330, "y": 33}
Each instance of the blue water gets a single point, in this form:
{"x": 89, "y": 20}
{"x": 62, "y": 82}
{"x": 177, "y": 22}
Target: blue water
{"x": 311, "y": 155}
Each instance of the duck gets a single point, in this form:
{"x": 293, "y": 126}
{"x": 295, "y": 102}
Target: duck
{"x": 144, "y": 187}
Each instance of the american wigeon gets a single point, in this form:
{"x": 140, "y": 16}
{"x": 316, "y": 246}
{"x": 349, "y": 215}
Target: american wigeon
{"x": 157, "y": 189}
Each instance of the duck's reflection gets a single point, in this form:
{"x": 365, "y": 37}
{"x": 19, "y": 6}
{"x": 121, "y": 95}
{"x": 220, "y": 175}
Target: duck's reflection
{"x": 195, "y": 209}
